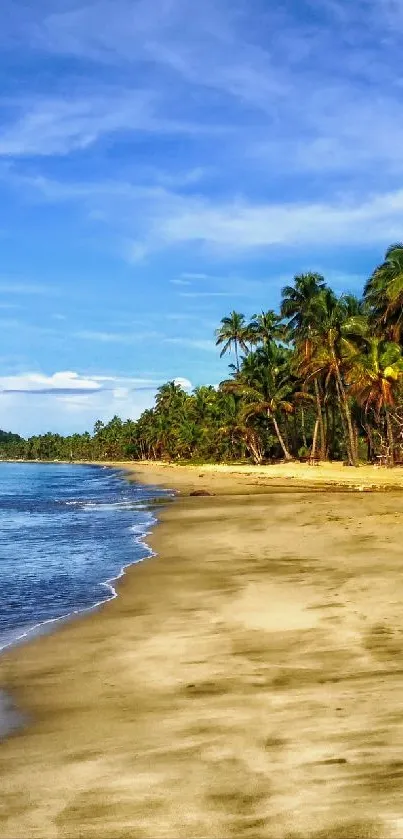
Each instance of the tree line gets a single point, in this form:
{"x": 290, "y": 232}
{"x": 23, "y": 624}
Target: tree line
{"x": 321, "y": 378}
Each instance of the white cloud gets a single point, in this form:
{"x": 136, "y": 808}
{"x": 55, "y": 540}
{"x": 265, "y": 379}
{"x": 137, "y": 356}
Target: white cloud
{"x": 32, "y": 413}
{"x": 38, "y": 383}
{"x": 184, "y": 383}
{"x": 134, "y": 381}
{"x": 120, "y": 393}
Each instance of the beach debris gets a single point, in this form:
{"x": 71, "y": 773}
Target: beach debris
{"x": 333, "y": 761}
{"x": 200, "y": 492}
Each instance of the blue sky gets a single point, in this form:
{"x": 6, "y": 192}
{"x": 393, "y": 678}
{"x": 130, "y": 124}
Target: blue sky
{"x": 163, "y": 162}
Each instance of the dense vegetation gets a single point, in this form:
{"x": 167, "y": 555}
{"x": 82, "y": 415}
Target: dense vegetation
{"x": 322, "y": 378}
{"x": 7, "y": 437}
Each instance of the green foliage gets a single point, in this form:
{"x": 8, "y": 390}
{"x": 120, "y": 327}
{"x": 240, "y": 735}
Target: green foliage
{"x": 383, "y": 295}
{"x": 7, "y": 437}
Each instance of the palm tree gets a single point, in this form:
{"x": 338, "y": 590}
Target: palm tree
{"x": 265, "y": 327}
{"x": 264, "y": 385}
{"x": 169, "y": 396}
{"x": 202, "y": 403}
{"x": 354, "y": 306}
{"x": 299, "y": 303}
{"x": 374, "y": 380}
{"x": 233, "y": 333}
{"x": 331, "y": 350}
{"x": 189, "y": 434}
{"x": 301, "y": 307}
{"x": 383, "y": 294}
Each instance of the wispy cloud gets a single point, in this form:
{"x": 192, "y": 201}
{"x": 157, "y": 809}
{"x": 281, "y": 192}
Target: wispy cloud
{"x": 193, "y": 343}
{"x": 58, "y": 126}
{"x": 200, "y": 48}
{"x": 180, "y": 282}
{"x": 167, "y": 219}
{"x": 287, "y": 67}
{"x": 196, "y": 294}
{"x": 106, "y": 337}
{"x": 288, "y": 90}
{"x": 187, "y": 275}
{"x": 115, "y": 337}
{"x": 243, "y": 225}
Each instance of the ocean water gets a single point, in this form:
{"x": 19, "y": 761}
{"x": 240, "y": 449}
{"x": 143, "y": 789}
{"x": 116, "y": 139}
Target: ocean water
{"x": 66, "y": 533}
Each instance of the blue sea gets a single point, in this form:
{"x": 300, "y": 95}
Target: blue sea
{"x": 66, "y": 534}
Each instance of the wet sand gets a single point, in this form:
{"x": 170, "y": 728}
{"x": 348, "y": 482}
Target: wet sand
{"x": 247, "y": 682}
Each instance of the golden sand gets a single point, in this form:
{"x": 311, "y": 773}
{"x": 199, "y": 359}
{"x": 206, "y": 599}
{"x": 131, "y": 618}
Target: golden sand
{"x": 247, "y": 682}
{"x": 232, "y": 478}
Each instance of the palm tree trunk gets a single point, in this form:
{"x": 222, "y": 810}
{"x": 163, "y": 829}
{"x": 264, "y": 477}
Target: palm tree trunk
{"x": 286, "y": 432}
{"x": 344, "y": 424}
{"x": 355, "y": 432}
{"x": 303, "y": 428}
{"x": 346, "y": 408}
{"x": 327, "y": 430}
{"x": 280, "y": 438}
{"x": 333, "y": 432}
{"x": 294, "y": 432}
{"x": 391, "y": 441}
{"x": 370, "y": 442}
{"x": 236, "y": 355}
{"x": 321, "y": 423}
{"x": 315, "y": 437}
{"x": 254, "y": 448}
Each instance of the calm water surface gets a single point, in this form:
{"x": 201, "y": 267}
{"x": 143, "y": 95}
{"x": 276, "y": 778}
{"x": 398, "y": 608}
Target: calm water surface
{"x": 65, "y": 531}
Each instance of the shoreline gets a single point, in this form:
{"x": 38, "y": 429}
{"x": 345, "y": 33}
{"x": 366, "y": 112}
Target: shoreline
{"x": 329, "y": 476}
{"x": 245, "y": 683}
{"x": 187, "y": 478}
{"x": 44, "y": 627}
{"x": 11, "y": 719}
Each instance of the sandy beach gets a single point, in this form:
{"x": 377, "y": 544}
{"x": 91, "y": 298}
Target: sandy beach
{"x": 247, "y": 682}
